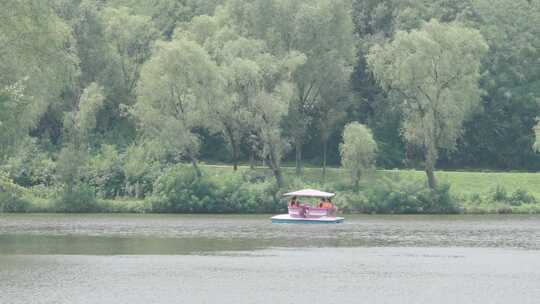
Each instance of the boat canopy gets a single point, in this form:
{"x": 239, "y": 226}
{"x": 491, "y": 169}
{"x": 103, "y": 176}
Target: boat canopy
{"x": 310, "y": 193}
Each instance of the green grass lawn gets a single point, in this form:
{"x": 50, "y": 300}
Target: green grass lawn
{"x": 462, "y": 183}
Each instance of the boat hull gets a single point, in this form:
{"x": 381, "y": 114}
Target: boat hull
{"x": 287, "y": 219}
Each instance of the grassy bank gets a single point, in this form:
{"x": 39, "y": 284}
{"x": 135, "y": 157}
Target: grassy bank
{"x": 461, "y": 182}
{"x": 473, "y": 191}
{"x": 402, "y": 191}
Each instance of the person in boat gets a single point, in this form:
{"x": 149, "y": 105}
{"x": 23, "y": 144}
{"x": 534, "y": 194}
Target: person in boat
{"x": 294, "y": 203}
{"x": 326, "y": 204}
{"x": 322, "y": 202}
{"x": 333, "y": 208}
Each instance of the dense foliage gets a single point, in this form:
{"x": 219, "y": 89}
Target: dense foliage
{"x": 101, "y": 100}
{"x": 181, "y": 190}
{"x": 358, "y": 151}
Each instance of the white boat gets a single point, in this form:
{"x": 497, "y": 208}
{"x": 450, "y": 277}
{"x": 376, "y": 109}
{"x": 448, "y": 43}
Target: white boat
{"x": 307, "y": 214}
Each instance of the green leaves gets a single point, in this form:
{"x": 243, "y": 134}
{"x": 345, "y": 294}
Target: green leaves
{"x": 358, "y": 151}
{"x": 37, "y": 63}
{"x": 130, "y": 38}
{"x": 176, "y": 84}
{"x": 434, "y": 74}
{"x": 79, "y": 123}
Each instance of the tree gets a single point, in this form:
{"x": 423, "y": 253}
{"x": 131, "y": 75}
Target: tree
{"x": 322, "y": 30}
{"x": 243, "y": 82}
{"x": 434, "y": 72}
{"x": 14, "y": 118}
{"x": 78, "y": 127}
{"x": 358, "y": 151}
{"x": 325, "y": 76}
{"x": 79, "y": 123}
{"x": 330, "y": 109}
{"x": 269, "y": 106}
{"x": 500, "y": 136}
{"x": 236, "y": 57}
{"x": 38, "y": 63}
{"x": 130, "y": 38}
{"x": 536, "y": 129}
{"x": 176, "y": 84}
{"x": 169, "y": 14}
{"x": 257, "y": 87}
{"x": 329, "y": 114}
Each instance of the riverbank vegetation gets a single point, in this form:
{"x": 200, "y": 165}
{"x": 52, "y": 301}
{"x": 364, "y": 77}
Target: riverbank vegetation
{"x": 103, "y": 104}
{"x": 221, "y": 190}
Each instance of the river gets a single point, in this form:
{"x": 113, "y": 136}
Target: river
{"x": 51, "y": 258}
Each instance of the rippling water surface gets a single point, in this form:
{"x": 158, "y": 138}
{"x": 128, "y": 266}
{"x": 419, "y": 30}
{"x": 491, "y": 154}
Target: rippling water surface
{"x": 246, "y": 259}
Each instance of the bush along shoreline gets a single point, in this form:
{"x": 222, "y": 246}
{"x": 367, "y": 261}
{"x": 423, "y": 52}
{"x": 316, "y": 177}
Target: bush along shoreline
{"x": 180, "y": 190}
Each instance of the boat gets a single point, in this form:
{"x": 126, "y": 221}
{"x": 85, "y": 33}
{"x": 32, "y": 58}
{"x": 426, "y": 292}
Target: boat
{"x": 307, "y": 214}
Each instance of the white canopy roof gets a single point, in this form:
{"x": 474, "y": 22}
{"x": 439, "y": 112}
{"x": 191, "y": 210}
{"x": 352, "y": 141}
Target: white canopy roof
{"x": 310, "y": 193}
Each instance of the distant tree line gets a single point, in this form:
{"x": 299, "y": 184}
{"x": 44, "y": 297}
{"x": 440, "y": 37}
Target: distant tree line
{"x": 446, "y": 83}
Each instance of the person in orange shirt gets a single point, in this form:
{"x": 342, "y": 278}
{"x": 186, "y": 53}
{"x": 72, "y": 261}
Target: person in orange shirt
{"x": 333, "y": 208}
{"x": 325, "y": 204}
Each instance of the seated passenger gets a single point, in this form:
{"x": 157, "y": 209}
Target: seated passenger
{"x": 293, "y": 203}
{"x": 333, "y": 210}
{"x": 321, "y": 203}
{"x": 327, "y": 204}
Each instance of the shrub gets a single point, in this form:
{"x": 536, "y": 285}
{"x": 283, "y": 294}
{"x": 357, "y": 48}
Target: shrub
{"x": 82, "y": 198}
{"x": 255, "y": 176}
{"x": 239, "y": 196}
{"x": 358, "y": 151}
{"x": 104, "y": 172}
{"x": 30, "y": 166}
{"x": 401, "y": 197}
{"x": 141, "y": 171}
{"x": 355, "y": 202}
{"x": 10, "y": 202}
{"x": 12, "y": 195}
{"x": 520, "y": 197}
{"x": 181, "y": 190}
{"x": 499, "y": 194}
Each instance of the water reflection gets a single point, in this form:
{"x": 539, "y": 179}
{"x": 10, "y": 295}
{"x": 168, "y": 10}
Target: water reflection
{"x": 188, "y": 234}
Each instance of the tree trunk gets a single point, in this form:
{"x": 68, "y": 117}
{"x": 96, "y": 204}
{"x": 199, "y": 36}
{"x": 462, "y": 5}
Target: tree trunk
{"x": 325, "y": 144}
{"x": 196, "y": 166}
{"x": 252, "y": 160}
{"x": 234, "y": 147}
{"x": 273, "y": 164}
{"x": 138, "y": 189}
{"x": 430, "y": 159}
{"x": 279, "y": 176}
{"x": 298, "y": 147}
{"x": 235, "y": 156}
{"x": 432, "y": 183}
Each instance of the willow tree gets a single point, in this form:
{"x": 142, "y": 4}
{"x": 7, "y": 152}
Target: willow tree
{"x": 78, "y": 126}
{"x": 433, "y": 73}
{"x": 324, "y": 78}
{"x": 358, "y": 151}
{"x": 322, "y": 30}
{"x": 37, "y": 63}
{"x": 236, "y": 56}
{"x": 243, "y": 84}
{"x": 257, "y": 86}
{"x": 536, "y": 144}
{"x": 173, "y": 91}
{"x": 130, "y": 39}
